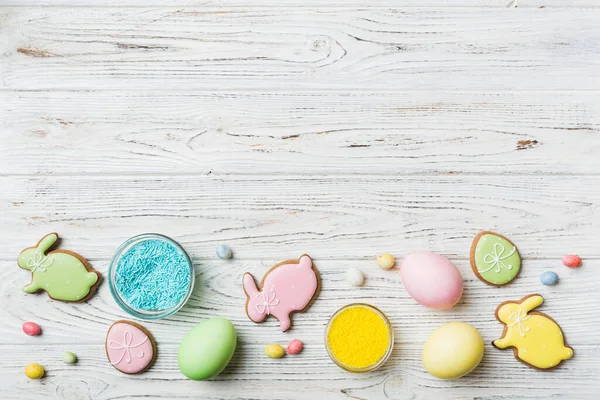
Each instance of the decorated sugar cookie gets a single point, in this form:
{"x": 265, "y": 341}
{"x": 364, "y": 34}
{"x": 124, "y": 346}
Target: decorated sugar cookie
{"x": 536, "y": 339}
{"x": 494, "y": 259}
{"x": 130, "y": 348}
{"x": 288, "y": 287}
{"x": 63, "y": 274}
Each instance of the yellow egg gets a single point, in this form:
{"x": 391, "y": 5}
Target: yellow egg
{"x": 274, "y": 351}
{"x": 386, "y": 261}
{"x": 453, "y": 350}
{"x": 34, "y": 371}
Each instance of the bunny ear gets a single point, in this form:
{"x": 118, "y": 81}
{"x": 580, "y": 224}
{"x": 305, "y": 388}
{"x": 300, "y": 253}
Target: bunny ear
{"x": 47, "y": 242}
{"x": 532, "y": 302}
{"x": 305, "y": 261}
{"x": 249, "y": 285}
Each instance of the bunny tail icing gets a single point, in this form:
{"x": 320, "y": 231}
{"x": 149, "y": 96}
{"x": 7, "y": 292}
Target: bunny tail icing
{"x": 92, "y": 278}
{"x": 568, "y": 353}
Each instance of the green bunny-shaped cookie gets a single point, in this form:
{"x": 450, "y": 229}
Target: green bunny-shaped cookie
{"x": 64, "y": 275}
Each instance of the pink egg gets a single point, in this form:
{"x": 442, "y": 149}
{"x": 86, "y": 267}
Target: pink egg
{"x": 572, "y": 261}
{"x": 432, "y": 280}
{"x": 294, "y": 347}
{"x": 32, "y": 329}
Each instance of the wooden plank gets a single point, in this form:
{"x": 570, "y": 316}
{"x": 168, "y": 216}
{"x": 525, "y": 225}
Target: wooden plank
{"x": 308, "y": 48}
{"x": 218, "y": 292}
{"x": 81, "y": 329}
{"x": 221, "y": 4}
{"x": 388, "y": 133}
{"x": 307, "y": 376}
{"x": 284, "y": 216}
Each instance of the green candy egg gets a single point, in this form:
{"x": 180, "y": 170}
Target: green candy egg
{"x": 207, "y": 349}
{"x": 69, "y": 358}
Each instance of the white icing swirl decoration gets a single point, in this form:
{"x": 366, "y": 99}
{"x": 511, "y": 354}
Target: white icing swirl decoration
{"x": 127, "y": 347}
{"x": 518, "y": 319}
{"x": 495, "y": 259}
{"x": 265, "y": 302}
{"x": 39, "y": 262}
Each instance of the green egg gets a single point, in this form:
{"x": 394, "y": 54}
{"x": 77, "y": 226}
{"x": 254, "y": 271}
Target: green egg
{"x": 207, "y": 349}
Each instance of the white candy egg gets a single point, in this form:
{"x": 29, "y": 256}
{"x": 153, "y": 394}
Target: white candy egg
{"x": 354, "y": 277}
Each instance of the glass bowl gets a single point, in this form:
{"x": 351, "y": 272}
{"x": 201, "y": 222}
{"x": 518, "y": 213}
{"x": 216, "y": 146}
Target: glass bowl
{"x": 382, "y": 360}
{"x": 140, "y": 313}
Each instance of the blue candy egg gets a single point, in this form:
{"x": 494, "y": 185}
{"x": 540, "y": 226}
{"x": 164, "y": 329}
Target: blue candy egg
{"x": 549, "y": 278}
{"x": 223, "y": 251}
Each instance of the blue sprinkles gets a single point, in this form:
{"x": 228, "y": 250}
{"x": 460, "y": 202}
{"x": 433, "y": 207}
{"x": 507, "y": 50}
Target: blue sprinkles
{"x": 152, "y": 275}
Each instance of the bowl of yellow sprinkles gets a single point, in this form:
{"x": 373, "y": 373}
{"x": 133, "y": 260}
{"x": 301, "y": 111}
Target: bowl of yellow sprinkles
{"x": 359, "y": 338}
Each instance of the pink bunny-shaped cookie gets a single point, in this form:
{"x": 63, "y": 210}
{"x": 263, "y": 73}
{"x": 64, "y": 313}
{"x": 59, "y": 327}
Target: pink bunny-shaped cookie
{"x": 287, "y": 287}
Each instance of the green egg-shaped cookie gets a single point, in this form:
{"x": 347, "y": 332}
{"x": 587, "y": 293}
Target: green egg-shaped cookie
{"x": 494, "y": 259}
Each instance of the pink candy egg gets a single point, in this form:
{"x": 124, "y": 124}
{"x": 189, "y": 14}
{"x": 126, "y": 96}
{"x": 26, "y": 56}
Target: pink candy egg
{"x": 32, "y": 329}
{"x": 431, "y": 279}
{"x": 294, "y": 347}
{"x": 572, "y": 261}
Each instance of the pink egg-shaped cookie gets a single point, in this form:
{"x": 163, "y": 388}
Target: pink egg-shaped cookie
{"x": 431, "y": 279}
{"x": 130, "y": 347}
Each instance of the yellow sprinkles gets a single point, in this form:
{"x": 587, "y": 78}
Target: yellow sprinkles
{"x": 358, "y": 337}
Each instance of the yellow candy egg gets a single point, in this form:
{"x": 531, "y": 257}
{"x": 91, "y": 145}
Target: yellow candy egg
{"x": 453, "y": 350}
{"x": 274, "y": 351}
{"x": 386, "y": 261}
{"x": 34, "y": 371}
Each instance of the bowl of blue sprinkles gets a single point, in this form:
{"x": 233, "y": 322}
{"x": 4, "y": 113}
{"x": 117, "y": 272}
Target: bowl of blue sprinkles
{"x": 151, "y": 276}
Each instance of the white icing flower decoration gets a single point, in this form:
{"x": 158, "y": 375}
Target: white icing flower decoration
{"x": 495, "y": 258}
{"x": 265, "y": 302}
{"x": 39, "y": 262}
{"x": 518, "y": 324}
{"x": 127, "y": 347}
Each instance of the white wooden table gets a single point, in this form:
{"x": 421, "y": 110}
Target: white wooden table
{"x": 341, "y": 129}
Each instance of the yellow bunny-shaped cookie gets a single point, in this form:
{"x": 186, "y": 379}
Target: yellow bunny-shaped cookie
{"x": 537, "y": 340}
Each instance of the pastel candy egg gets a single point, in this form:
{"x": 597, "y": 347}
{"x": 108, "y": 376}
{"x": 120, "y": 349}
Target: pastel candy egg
{"x": 453, "y": 350}
{"x": 549, "y": 278}
{"x": 294, "y": 347}
{"x": 354, "y": 277}
{"x": 274, "y": 351}
{"x": 69, "y": 358}
{"x": 32, "y": 329}
{"x": 34, "y": 371}
{"x": 386, "y": 261}
{"x": 223, "y": 251}
{"x": 572, "y": 261}
{"x": 207, "y": 349}
{"x": 431, "y": 279}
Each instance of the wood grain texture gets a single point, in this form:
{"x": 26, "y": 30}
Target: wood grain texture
{"x": 328, "y": 217}
{"x": 300, "y": 48}
{"x": 306, "y": 377}
{"x": 300, "y": 133}
{"x": 285, "y": 127}
{"x": 312, "y": 373}
{"x": 212, "y": 4}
